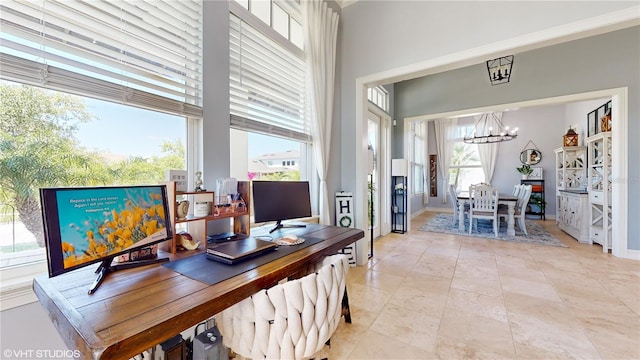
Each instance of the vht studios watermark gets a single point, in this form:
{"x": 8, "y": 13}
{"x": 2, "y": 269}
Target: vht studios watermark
{"x": 40, "y": 354}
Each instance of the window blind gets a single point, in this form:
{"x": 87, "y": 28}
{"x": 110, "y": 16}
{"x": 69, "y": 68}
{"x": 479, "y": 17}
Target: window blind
{"x": 143, "y": 53}
{"x": 267, "y": 84}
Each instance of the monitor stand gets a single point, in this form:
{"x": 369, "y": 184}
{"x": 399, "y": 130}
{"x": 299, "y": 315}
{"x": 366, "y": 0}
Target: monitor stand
{"x": 106, "y": 268}
{"x": 280, "y": 225}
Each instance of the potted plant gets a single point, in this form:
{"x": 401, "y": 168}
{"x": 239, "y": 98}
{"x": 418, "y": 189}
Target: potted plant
{"x": 525, "y": 170}
{"x": 536, "y": 199}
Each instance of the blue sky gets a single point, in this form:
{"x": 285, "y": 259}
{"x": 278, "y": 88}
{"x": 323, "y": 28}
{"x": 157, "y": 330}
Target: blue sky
{"x": 127, "y": 130}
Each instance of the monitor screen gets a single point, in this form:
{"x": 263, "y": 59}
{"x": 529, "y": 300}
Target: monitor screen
{"x": 85, "y": 225}
{"x": 280, "y": 200}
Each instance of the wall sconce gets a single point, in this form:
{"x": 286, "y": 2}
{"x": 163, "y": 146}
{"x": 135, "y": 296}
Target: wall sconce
{"x": 500, "y": 69}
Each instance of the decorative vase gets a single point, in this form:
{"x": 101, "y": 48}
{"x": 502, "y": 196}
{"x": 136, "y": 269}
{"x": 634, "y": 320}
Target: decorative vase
{"x": 525, "y": 176}
{"x": 182, "y": 209}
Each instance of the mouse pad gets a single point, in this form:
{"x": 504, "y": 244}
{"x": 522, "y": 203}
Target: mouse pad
{"x": 199, "y": 268}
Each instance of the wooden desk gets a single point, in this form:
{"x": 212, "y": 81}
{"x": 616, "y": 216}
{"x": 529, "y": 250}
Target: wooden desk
{"x": 504, "y": 199}
{"x": 138, "y": 308}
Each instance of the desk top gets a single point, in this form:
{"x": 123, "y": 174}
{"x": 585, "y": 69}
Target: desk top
{"x": 136, "y": 309}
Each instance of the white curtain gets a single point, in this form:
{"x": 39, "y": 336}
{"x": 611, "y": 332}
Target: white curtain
{"x": 446, "y": 130}
{"x": 320, "y": 37}
{"x": 489, "y": 152}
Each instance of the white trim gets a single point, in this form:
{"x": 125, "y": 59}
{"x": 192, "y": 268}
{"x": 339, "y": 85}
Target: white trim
{"x": 620, "y": 173}
{"x": 384, "y": 161}
{"x": 361, "y": 169}
{"x": 17, "y": 282}
{"x": 581, "y": 29}
{"x": 633, "y": 255}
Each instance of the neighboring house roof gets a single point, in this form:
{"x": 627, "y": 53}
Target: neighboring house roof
{"x": 285, "y": 155}
{"x": 261, "y": 168}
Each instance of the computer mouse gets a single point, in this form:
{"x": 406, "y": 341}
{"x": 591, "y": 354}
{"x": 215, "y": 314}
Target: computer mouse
{"x": 291, "y": 237}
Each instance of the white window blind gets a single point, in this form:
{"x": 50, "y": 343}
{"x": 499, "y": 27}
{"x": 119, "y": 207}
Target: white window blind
{"x": 267, "y": 84}
{"x": 142, "y": 53}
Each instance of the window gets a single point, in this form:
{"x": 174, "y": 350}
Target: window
{"x": 70, "y": 140}
{"x": 109, "y": 55}
{"x": 267, "y": 81}
{"x": 417, "y": 135}
{"x": 271, "y": 134}
{"x": 262, "y": 157}
{"x": 283, "y": 16}
{"x": 466, "y": 168}
{"x": 380, "y": 97}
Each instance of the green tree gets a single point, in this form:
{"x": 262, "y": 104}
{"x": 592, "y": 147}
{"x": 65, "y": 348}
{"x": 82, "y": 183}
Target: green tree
{"x": 463, "y": 154}
{"x": 38, "y": 148}
{"x": 140, "y": 170}
{"x": 293, "y": 175}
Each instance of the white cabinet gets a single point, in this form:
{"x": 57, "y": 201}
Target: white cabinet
{"x": 571, "y": 191}
{"x": 599, "y": 187}
{"x": 573, "y": 214}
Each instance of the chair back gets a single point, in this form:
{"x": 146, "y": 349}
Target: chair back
{"x": 292, "y": 320}
{"x": 483, "y": 198}
{"x": 516, "y": 189}
{"x": 523, "y": 198}
{"x": 453, "y": 195}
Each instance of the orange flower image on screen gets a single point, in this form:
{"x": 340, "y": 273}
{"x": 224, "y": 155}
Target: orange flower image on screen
{"x": 119, "y": 232}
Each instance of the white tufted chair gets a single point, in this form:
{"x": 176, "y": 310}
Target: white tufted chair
{"x": 292, "y": 320}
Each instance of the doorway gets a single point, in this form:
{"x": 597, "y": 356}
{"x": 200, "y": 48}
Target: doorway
{"x": 378, "y": 182}
{"x": 620, "y": 140}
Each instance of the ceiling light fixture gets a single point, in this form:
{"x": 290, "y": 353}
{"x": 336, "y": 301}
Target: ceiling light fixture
{"x": 500, "y": 69}
{"x": 483, "y": 131}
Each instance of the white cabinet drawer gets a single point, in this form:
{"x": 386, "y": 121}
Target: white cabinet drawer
{"x": 597, "y": 234}
{"x": 596, "y": 197}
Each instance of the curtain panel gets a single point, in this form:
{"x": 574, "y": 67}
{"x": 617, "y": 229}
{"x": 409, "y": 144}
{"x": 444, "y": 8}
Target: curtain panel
{"x": 489, "y": 152}
{"x": 321, "y": 32}
{"x": 445, "y": 142}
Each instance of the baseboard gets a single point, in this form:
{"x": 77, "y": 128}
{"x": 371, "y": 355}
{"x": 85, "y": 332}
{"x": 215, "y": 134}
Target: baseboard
{"x": 632, "y": 254}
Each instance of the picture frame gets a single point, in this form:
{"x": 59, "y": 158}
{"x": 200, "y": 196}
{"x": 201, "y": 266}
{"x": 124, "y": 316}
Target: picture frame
{"x": 592, "y": 123}
{"x": 433, "y": 175}
{"x": 180, "y": 177}
{"x": 536, "y": 173}
{"x": 600, "y": 112}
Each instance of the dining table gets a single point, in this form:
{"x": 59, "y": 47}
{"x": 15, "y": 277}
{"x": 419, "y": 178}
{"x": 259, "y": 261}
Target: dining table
{"x": 503, "y": 199}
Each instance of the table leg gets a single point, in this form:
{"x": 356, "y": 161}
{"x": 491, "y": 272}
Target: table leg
{"x": 511, "y": 231}
{"x": 461, "y": 215}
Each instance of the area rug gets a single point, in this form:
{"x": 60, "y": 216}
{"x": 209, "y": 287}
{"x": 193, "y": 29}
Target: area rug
{"x": 443, "y": 223}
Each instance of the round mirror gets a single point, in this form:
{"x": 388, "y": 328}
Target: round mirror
{"x": 530, "y": 156}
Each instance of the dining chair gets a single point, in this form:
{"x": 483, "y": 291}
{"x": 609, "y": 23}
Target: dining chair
{"x": 453, "y": 196}
{"x": 483, "y": 205}
{"x": 516, "y": 189}
{"x": 520, "y": 208}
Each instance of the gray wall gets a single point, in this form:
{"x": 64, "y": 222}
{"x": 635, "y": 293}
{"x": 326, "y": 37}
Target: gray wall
{"x": 563, "y": 69}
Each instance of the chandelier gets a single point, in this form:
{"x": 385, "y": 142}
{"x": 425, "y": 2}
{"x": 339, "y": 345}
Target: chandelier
{"x": 488, "y": 130}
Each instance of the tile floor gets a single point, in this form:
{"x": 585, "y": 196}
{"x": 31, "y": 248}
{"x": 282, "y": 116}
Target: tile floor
{"x": 437, "y": 296}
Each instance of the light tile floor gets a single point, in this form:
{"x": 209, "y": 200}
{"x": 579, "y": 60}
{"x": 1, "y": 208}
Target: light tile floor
{"x": 436, "y": 296}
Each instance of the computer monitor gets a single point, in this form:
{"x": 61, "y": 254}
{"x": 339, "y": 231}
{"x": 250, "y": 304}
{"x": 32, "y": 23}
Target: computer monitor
{"x": 86, "y": 225}
{"x": 280, "y": 200}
